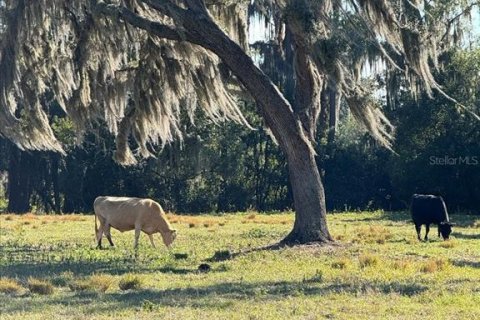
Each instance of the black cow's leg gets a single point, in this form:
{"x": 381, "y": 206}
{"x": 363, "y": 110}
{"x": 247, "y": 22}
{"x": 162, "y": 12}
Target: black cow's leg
{"x": 418, "y": 227}
{"x": 427, "y": 229}
{"x": 439, "y": 230}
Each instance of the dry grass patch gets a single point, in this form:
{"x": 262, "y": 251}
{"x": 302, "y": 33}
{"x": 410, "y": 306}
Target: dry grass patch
{"x": 63, "y": 279}
{"x": 401, "y": 264}
{"x": 9, "y": 218}
{"x": 39, "y": 286}
{"x": 448, "y": 244}
{"x": 339, "y": 237}
{"x": 372, "y": 234}
{"x": 80, "y": 285}
{"x": 434, "y": 265}
{"x": 130, "y": 282}
{"x": 341, "y": 263}
{"x": 9, "y": 286}
{"x": 368, "y": 260}
{"x": 251, "y": 216}
{"x": 97, "y": 282}
{"x": 101, "y": 282}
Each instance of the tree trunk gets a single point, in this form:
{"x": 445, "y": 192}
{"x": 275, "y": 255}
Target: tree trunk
{"x": 309, "y": 199}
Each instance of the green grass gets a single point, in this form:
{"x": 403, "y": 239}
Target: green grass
{"x": 377, "y": 270}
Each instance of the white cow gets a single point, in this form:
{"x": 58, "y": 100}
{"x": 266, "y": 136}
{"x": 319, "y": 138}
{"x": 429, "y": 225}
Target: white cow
{"x": 124, "y": 214}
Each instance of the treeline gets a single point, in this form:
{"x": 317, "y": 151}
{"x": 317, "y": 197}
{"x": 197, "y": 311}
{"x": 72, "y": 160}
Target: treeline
{"x": 226, "y": 167}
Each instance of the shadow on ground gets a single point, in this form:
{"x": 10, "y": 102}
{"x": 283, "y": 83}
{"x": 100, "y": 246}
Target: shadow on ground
{"x": 404, "y": 216}
{"x": 221, "y": 295}
{"x": 400, "y": 216}
{"x": 466, "y": 263}
{"x": 467, "y": 236}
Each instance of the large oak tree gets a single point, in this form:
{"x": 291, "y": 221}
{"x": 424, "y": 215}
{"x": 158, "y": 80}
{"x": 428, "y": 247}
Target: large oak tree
{"x": 140, "y": 65}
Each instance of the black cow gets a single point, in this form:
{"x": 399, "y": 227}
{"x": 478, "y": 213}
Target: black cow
{"x": 427, "y": 209}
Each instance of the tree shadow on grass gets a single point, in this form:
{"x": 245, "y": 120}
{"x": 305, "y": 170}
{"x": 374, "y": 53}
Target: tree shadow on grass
{"x": 466, "y": 263}
{"x": 460, "y": 220}
{"x": 400, "y": 216}
{"x": 460, "y": 235}
{"x": 220, "y": 295}
{"x": 23, "y": 270}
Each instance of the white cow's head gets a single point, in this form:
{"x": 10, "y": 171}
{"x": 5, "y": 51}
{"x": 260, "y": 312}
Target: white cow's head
{"x": 169, "y": 236}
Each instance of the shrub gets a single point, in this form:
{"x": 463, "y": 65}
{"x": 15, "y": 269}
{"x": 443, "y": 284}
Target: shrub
{"x": 191, "y": 225}
{"x": 130, "y": 281}
{"x": 9, "y": 286}
{"x": 39, "y": 286}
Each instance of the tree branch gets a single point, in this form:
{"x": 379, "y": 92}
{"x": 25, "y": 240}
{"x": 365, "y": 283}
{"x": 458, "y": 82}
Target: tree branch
{"x": 449, "y": 22}
{"x": 160, "y": 30}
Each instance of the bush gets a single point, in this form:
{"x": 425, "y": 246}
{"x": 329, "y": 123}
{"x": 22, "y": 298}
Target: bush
{"x": 39, "y": 286}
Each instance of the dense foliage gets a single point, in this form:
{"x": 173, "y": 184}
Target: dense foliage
{"x": 231, "y": 168}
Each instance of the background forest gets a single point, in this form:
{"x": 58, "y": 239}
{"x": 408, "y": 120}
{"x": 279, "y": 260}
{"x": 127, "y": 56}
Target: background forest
{"x": 227, "y": 167}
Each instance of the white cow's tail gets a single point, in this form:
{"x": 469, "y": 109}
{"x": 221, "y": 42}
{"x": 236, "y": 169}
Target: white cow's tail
{"x": 96, "y": 227}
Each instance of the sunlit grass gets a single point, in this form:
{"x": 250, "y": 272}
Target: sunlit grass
{"x": 376, "y": 270}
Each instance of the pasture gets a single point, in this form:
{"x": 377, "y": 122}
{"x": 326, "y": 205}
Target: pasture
{"x": 377, "y": 269}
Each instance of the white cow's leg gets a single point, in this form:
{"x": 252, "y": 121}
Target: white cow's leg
{"x": 107, "y": 234}
{"x": 137, "y": 236}
{"x": 151, "y": 240}
{"x": 100, "y": 233}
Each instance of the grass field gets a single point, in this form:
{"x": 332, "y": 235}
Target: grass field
{"x": 50, "y": 269}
